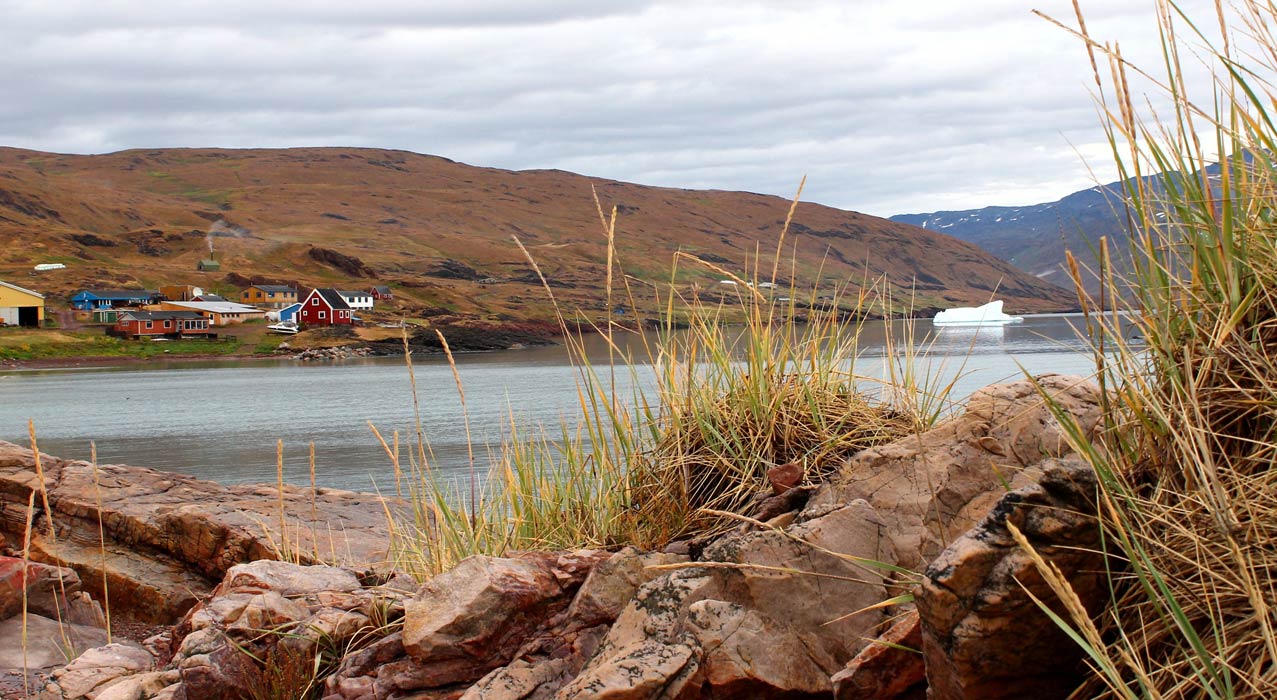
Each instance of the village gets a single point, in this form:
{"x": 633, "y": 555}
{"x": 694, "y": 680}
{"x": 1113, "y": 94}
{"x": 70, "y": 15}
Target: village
{"x": 188, "y": 312}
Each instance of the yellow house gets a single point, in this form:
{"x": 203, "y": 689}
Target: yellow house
{"x": 20, "y": 307}
{"x": 269, "y": 296}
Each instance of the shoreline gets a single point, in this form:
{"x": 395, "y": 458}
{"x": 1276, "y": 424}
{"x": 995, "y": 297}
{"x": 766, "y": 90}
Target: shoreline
{"x": 103, "y": 362}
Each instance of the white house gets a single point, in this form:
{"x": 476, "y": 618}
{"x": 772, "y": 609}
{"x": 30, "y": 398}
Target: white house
{"x": 356, "y": 300}
{"x": 218, "y": 313}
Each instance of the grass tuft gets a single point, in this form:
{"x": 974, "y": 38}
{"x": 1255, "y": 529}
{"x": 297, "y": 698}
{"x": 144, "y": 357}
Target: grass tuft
{"x": 1189, "y": 492}
{"x": 737, "y": 383}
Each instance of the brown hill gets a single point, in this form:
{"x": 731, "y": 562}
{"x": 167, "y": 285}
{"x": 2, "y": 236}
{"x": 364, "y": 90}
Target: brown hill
{"x": 438, "y": 231}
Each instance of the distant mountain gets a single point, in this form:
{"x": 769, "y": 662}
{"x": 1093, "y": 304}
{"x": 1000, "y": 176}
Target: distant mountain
{"x": 1035, "y": 237}
{"x": 440, "y": 232}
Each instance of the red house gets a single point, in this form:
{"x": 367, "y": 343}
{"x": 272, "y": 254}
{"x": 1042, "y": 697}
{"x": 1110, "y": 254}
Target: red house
{"x": 171, "y": 324}
{"x": 324, "y": 307}
{"x": 382, "y": 292}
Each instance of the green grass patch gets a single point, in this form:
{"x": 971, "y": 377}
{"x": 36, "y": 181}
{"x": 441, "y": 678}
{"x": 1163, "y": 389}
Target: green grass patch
{"x": 27, "y": 344}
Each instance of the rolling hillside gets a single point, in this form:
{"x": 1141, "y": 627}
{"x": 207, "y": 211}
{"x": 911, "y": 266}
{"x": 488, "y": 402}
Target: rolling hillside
{"x": 440, "y": 232}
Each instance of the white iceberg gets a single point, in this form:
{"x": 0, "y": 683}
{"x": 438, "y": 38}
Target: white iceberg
{"x": 988, "y": 315}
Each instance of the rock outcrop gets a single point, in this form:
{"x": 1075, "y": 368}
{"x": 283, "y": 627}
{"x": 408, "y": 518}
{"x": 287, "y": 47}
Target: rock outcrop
{"x": 809, "y": 604}
{"x": 170, "y": 537}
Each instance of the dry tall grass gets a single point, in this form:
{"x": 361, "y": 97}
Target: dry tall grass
{"x": 1189, "y": 496}
{"x": 728, "y": 403}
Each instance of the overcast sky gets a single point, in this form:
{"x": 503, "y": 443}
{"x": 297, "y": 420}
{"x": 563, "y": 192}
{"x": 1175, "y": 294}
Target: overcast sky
{"x": 888, "y": 107}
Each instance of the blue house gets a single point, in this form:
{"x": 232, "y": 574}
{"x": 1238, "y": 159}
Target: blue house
{"x": 289, "y": 313}
{"x": 93, "y": 299}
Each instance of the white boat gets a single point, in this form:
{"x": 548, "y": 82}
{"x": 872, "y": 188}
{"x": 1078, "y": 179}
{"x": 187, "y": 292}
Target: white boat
{"x": 988, "y": 315}
{"x": 285, "y": 327}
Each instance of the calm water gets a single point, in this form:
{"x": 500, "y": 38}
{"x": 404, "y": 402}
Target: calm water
{"x": 221, "y": 420}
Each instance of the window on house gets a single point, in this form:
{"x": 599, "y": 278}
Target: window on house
{"x": 168, "y": 324}
{"x": 314, "y": 302}
{"x": 321, "y": 314}
{"x": 148, "y": 324}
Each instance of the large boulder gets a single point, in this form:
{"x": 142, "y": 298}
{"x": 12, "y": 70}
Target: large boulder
{"x": 983, "y": 635}
{"x": 467, "y": 621}
{"x": 930, "y": 488}
{"x": 768, "y": 613}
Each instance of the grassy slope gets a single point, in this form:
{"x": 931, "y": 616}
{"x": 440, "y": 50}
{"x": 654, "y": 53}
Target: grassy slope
{"x": 402, "y": 214}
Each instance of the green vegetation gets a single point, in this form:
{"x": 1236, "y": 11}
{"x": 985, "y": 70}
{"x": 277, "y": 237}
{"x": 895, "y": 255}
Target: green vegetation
{"x": 1189, "y": 492}
{"x": 25, "y": 344}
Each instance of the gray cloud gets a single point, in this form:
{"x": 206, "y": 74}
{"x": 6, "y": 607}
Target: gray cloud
{"x": 887, "y": 107}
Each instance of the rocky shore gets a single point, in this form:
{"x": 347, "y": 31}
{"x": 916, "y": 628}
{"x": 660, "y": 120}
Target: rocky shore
{"x": 900, "y": 578}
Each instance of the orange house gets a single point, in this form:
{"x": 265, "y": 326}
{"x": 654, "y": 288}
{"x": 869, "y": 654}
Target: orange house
{"x": 269, "y": 296}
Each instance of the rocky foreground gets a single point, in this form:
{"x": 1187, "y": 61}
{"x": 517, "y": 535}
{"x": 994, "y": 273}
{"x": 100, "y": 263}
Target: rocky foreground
{"x": 817, "y": 598}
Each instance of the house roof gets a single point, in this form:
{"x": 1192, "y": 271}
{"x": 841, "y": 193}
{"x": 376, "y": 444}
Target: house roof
{"x": 216, "y": 307}
{"x": 24, "y": 290}
{"x": 162, "y": 315}
{"x": 118, "y": 293}
{"x": 210, "y": 297}
{"x": 381, "y": 289}
{"x": 274, "y": 288}
{"x": 333, "y": 298}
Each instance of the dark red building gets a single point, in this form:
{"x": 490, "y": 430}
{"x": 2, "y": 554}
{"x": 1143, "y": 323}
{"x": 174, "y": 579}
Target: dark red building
{"x": 172, "y": 324}
{"x": 324, "y": 307}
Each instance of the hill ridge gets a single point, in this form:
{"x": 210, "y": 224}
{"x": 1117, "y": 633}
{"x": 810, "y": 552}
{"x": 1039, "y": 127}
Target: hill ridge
{"x": 144, "y": 217}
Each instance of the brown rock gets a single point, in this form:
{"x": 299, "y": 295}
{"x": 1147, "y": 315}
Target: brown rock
{"x": 169, "y": 536}
{"x": 983, "y": 636}
{"x": 931, "y": 488}
{"x": 467, "y": 621}
{"x": 143, "y": 686}
{"x": 810, "y": 578}
{"x": 44, "y": 585}
{"x": 745, "y": 654}
{"x": 49, "y": 643}
{"x": 612, "y": 584}
{"x": 648, "y": 652}
{"x": 887, "y": 669}
{"x": 97, "y": 669}
{"x": 770, "y": 620}
{"x": 784, "y": 477}
{"x": 791, "y": 500}
{"x": 287, "y": 579}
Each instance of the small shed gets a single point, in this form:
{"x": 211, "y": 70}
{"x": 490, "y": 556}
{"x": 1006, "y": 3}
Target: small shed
{"x": 289, "y": 313}
{"x": 209, "y": 265}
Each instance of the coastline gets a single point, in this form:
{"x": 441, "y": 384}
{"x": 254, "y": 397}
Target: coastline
{"x": 461, "y": 339}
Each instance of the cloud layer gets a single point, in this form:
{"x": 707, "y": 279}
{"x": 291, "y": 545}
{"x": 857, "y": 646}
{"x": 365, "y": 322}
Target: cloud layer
{"x": 887, "y": 107}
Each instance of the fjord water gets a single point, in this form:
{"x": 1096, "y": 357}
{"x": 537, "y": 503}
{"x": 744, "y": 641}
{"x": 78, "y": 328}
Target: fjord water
{"x": 220, "y": 420}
